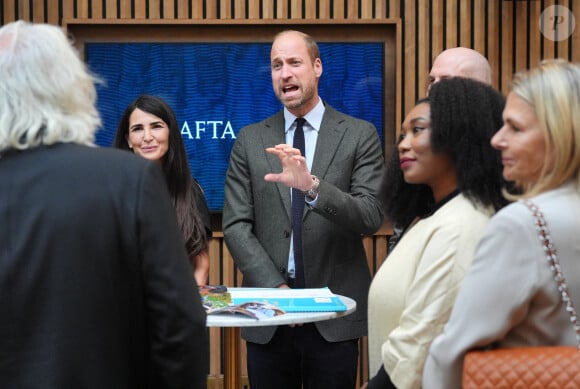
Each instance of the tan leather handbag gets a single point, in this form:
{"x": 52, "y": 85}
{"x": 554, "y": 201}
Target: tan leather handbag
{"x": 529, "y": 367}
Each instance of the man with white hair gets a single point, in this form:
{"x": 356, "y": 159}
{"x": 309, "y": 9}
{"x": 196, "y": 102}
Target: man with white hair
{"x": 96, "y": 285}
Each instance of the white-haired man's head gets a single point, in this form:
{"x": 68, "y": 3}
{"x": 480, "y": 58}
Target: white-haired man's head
{"x": 460, "y": 62}
{"x": 48, "y": 95}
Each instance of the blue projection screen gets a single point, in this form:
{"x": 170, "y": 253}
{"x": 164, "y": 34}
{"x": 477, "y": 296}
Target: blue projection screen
{"x": 216, "y": 89}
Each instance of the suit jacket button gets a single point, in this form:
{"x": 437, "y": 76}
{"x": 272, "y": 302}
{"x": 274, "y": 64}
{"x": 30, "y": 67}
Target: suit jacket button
{"x": 286, "y": 234}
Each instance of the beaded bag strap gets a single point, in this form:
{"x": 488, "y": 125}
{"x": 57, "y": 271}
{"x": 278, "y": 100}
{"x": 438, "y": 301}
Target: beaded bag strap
{"x": 552, "y": 258}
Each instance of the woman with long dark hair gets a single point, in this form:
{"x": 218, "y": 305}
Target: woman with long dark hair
{"x": 149, "y": 128}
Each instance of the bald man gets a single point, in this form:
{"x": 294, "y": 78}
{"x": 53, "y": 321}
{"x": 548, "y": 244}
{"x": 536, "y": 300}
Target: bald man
{"x": 460, "y": 61}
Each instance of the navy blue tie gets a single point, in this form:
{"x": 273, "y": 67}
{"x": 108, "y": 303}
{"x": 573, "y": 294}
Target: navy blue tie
{"x": 297, "y": 212}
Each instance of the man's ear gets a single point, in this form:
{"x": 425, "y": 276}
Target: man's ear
{"x": 318, "y": 67}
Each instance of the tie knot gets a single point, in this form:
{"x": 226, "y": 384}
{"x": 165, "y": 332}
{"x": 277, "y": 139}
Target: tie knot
{"x": 300, "y": 122}
{"x": 298, "y": 142}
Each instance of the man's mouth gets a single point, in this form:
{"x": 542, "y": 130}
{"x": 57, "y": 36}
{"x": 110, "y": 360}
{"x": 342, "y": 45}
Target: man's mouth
{"x": 290, "y": 88}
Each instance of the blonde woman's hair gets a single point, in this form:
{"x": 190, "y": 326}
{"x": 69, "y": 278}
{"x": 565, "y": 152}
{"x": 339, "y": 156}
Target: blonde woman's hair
{"x": 553, "y": 89}
{"x": 47, "y": 95}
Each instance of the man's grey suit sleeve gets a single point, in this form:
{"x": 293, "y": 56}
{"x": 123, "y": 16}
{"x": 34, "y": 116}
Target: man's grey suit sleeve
{"x": 240, "y": 213}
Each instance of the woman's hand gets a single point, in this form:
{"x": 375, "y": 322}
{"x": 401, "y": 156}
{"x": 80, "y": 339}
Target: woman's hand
{"x": 201, "y": 268}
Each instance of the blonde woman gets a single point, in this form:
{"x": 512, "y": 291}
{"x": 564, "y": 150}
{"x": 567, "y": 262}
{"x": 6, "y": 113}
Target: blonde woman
{"x": 509, "y": 297}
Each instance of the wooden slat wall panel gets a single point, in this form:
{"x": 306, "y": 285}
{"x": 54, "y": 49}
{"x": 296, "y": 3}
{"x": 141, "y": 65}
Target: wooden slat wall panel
{"x": 211, "y": 11}
{"x": 366, "y": 10}
{"x": 549, "y": 45}
{"x": 338, "y": 11}
{"x": 279, "y": 8}
{"x": 125, "y": 8}
{"x": 310, "y": 10}
{"x": 24, "y": 8}
{"x": 493, "y": 37}
{"x": 409, "y": 56}
{"x": 296, "y": 9}
{"x": 575, "y": 38}
{"x": 225, "y": 10}
{"x": 520, "y": 35}
{"x": 506, "y": 31}
{"x": 437, "y": 26}
{"x": 67, "y": 12}
{"x": 451, "y": 24}
{"x": 141, "y": 10}
{"x": 268, "y": 10}
{"x": 91, "y": 9}
{"x": 254, "y": 9}
{"x": 38, "y": 11}
{"x": 535, "y": 51}
{"x": 479, "y": 17}
{"x": 564, "y": 45}
{"x": 168, "y": 9}
{"x": 465, "y": 26}
{"x": 506, "y": 44}
{"x": 154, "y": 9}
{"x": 7, "y": 12}
{"x": 394, "y": 10}
{"x": 381, "y": 10}
{"x": 352, "y": 9}
{"x": 110, "y": 9}
{"x": 52, "y": 16}
{"x": 324, "y": 9}
{"x": 183, "y": 9}
{"x": 423, "y": 56}
{"x": 239, "y": 9}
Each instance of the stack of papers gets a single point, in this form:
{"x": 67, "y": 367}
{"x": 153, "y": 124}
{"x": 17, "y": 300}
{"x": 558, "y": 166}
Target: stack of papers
{"x": 292, "y": 300}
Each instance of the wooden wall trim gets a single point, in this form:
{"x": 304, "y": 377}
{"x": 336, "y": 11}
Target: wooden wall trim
{"x": 235, "y": 22}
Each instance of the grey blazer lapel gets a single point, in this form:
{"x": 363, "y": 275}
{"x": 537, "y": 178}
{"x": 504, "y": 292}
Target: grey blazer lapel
{"x": 332, "y": 130}
{"x": 272, "y": 135}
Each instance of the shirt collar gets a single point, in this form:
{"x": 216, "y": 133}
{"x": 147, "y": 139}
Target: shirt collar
{"x": 314, "y": 117}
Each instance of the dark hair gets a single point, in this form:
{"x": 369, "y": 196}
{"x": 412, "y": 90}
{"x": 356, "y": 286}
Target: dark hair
{"x": 465, "y": 114}
{"x": 175, "y": 167}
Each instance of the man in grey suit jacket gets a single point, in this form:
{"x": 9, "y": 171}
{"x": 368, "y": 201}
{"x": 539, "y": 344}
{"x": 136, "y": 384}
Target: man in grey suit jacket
{"x": 95, "y": 284}
{"x": 340, "y": 174}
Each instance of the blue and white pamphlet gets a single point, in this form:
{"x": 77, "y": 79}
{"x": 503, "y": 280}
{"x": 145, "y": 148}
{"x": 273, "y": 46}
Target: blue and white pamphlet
{"x": 292, "y": 300}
